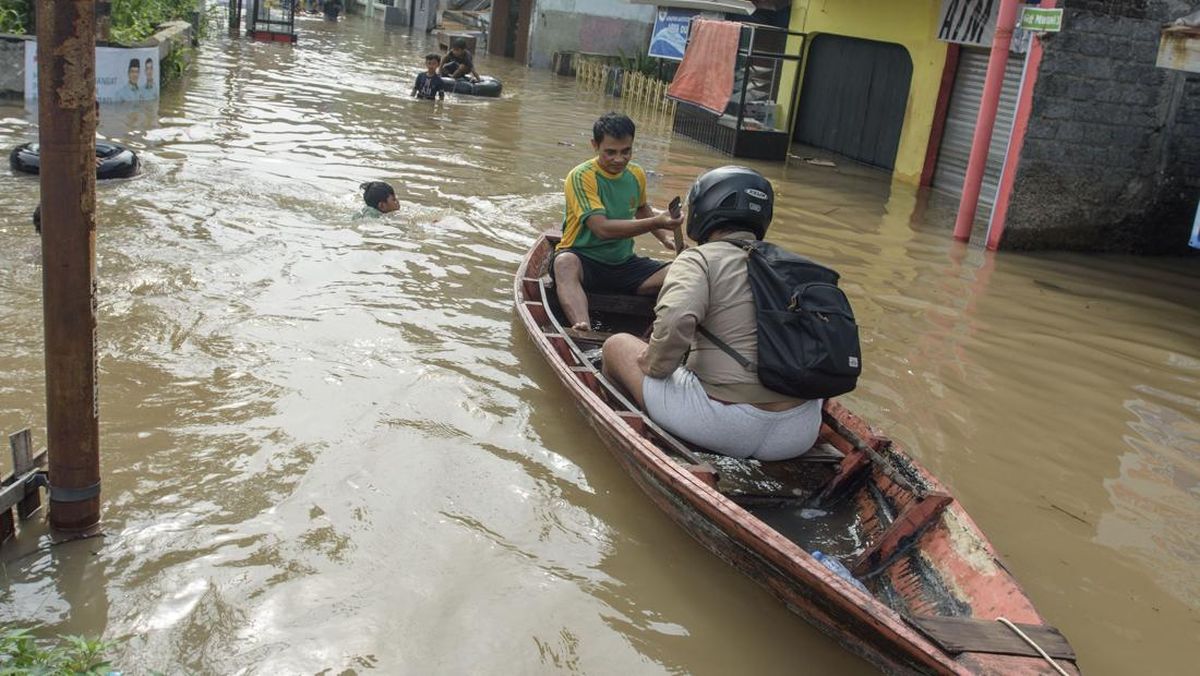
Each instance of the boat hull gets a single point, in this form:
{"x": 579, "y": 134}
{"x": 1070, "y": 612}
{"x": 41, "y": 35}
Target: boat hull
{"x": 857, "y": 620}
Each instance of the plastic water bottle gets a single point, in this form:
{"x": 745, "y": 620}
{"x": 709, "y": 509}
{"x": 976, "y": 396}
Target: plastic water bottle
{"x": 836, "y": 567}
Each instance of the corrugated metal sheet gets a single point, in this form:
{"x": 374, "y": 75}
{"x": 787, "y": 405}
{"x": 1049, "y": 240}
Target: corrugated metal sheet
{"x": 854, "y": 98}
{"x": 960, "y": 123}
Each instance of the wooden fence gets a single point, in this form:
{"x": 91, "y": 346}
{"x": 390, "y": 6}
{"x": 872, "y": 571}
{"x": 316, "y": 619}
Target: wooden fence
{"x": 640, "y": 94}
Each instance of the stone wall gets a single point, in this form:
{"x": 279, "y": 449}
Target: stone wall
{"x": 12, "y": 66}
{"x": 593, "y": 26}
{"x": 1111, "y": 159}
{"x": 174, "y": 36}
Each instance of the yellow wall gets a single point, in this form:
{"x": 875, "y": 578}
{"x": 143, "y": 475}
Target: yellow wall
{"x": 909, "y": 23}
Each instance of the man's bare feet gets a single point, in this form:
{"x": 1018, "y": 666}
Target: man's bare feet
{"x": 581, "y": 326}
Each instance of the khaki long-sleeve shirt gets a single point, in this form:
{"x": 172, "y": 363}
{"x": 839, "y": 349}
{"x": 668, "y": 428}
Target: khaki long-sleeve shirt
{"x": 710, "y": 290}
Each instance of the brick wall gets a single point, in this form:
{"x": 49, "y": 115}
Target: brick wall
{"x": 1112, "y": 155}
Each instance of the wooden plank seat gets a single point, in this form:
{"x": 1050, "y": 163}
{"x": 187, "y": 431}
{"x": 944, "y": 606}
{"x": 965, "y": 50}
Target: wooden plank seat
{"x": 967, "y": 634}
{"x": 756, "y": 482}
{"x": 636, "y": 306}
{"x": 639, "y": 306}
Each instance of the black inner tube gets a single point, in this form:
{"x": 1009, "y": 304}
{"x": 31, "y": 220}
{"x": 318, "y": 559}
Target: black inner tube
{"x": 487, "y": 86}
{"x": 116, "y": 161}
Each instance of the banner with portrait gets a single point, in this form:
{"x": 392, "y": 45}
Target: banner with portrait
{"x": 123, "y": 75}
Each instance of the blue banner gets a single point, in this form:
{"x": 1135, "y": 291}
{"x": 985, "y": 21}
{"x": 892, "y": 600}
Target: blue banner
{"x": 670, "y": 32}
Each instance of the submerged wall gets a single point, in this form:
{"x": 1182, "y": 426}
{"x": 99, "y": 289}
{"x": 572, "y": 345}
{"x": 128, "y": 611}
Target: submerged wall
{"x": 595, "y": 26}
{"x": 12, "y": 65}
{"x": 173, "y": 37}
{"x": 1111, "y": 159}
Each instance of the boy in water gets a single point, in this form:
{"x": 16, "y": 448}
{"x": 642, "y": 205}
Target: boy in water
{"x": 380, "y": 199}
{"x": 429, "y": 83}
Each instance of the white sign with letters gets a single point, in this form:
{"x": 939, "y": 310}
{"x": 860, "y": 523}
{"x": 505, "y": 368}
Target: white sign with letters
{"x": 968, "y": 22}
{"x": 122, "y": 75}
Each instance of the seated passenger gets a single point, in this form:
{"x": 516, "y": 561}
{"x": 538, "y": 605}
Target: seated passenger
{"x": 380, "y": 199}
{"x": 712, "y": 400}
{"x": 458, "y": 63}
{"x": 607, "y": 208}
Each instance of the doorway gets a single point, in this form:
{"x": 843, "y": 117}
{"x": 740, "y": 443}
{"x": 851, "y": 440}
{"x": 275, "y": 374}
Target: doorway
{"x": 854, "y": 97}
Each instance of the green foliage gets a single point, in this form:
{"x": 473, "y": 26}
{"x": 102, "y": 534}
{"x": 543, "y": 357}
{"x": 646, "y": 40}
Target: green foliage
{"x": 639, "y": 63}
{"x": 14, "y": 16}
{"x": 136, "y": 20}
{"x": 20, "y": 655}
{"x": 173, "y": 65}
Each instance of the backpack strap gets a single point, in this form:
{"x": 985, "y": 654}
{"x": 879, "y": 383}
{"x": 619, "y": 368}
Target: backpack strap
{"x": 737, "y": 356}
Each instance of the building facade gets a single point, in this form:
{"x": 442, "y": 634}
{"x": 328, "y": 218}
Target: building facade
{"x": 1111, "y": 159}
{"x": 1111, "y": 156}
{"x": 531, "y": 31}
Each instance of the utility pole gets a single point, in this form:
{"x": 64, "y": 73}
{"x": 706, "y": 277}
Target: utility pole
{"x": 67, "y": 110}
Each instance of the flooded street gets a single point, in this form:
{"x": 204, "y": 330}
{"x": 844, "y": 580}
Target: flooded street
{"x": 328, "y": 444}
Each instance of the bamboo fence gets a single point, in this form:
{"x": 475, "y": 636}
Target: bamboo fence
{"x": 640, "y": 93}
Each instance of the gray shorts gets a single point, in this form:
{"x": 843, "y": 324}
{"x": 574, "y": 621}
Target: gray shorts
{"x": 679, "y": 404}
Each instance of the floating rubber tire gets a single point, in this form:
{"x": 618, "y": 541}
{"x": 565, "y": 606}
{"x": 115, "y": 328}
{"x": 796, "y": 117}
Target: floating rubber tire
{"x": 487, "y": 86}
{"x": 115, "y": 161}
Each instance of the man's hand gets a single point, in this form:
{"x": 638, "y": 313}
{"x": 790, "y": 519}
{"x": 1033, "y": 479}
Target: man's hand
{"x": 665, "y": 221}
{"x": 665, "y": 236}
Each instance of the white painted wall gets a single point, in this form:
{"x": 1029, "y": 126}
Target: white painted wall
{"x": 617, "y": 9}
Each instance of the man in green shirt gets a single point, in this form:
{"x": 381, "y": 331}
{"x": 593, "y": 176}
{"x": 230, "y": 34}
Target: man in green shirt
{"x": 606, "y": 208}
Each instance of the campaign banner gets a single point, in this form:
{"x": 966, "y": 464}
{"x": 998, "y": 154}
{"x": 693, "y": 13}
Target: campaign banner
{"x": 123, "y": 75}
{"x": 670, "y": 34}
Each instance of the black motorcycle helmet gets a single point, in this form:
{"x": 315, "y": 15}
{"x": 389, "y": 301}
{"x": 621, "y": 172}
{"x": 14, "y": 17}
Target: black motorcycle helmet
{"x": 729, "y": 197}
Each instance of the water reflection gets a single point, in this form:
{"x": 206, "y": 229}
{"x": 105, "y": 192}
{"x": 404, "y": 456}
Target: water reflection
{"x": 328, "y": 445}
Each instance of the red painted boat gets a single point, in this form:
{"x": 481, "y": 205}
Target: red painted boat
{"x": 932, "y": 589}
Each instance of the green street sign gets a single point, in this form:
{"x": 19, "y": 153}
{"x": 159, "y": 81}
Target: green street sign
{"x": 1045, "y": 20}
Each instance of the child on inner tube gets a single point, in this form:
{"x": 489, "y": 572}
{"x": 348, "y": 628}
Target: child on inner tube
{"x": 458, "y": 62}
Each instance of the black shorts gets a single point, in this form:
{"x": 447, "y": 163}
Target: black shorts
{"x": 622, "y": 278}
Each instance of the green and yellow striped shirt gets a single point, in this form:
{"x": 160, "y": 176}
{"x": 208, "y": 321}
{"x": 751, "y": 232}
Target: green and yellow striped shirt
{"x": 591, "y": 190}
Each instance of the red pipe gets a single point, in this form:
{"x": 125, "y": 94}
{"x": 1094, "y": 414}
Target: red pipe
{"x": 987, "y": 119}
{"x": 1033, "y": 63}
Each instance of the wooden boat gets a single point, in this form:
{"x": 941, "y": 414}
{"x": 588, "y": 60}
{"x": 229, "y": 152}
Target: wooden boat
{"x": 933, "y": 587}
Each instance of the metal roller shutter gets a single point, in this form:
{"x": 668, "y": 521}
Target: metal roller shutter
{"x": 960, "y": 123}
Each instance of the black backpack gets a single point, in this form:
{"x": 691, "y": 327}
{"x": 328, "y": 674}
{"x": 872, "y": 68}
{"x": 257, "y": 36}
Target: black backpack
{"x": 807, "y": 339}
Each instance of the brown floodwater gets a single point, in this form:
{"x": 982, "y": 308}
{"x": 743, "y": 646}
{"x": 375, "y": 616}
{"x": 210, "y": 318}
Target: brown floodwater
{"x": 328, "y": 447}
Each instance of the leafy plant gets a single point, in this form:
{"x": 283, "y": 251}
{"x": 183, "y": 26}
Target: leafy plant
{"x": 20, "y": 655}
{"x": 640, "y": 62}
{"x": 136, "y": 20}
{"x": 14, "y": 16}
{"x": 175, "y": 63}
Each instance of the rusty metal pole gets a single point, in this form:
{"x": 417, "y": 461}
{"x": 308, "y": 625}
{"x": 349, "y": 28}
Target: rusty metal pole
{"x": 66, "y": 51}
